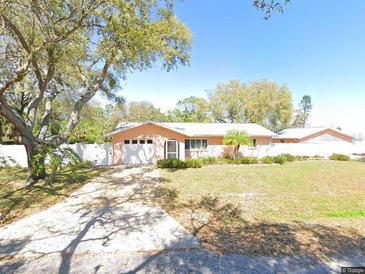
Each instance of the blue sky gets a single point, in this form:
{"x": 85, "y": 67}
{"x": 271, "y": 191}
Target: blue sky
{"x": 315, "y": 47}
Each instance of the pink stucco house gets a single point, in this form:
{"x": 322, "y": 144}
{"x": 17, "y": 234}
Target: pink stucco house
{"x": 135, "y": 143}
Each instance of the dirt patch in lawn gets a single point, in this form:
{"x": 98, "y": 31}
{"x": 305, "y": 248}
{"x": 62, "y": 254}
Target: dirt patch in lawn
{"x": 314, "y": 241}
{"x": 252, "y": 238}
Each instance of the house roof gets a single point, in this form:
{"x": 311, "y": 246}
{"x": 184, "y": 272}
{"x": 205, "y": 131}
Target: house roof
{"x": 299, "y": 133}
{"x": 202, "y": 129}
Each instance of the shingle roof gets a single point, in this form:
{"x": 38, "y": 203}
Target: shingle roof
{"x": 203, "y": 129}
{"x": 299, "y": 133}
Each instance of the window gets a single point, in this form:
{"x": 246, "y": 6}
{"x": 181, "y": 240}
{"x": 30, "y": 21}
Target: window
{"x": 187, "y": 144}
{"x": 149, "y": 142}
{"x": 142, "y": 142}
{"x": 282, "y": 141}
{"x": 196, "y": 144}
{"x": 204, "y": 143}
{"x": 126, "y": 142}
{"x": 254, "y": 142}
{"x": 134, "y": 142}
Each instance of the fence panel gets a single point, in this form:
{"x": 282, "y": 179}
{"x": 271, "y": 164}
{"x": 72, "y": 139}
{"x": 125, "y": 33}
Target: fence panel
{"x": 98, "y": 154}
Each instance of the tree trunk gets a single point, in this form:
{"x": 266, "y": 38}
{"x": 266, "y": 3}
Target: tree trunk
{"x": 36, "y": 169}
{"x": 1, "y": 130}
{"x": 236, "y": 151}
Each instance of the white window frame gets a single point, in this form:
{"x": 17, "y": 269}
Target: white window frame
{"x": 176, "y": 152}
{"x": 201, "y": 148}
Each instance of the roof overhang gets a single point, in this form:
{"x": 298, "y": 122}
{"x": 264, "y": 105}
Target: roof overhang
{"x": 122, "y": 129}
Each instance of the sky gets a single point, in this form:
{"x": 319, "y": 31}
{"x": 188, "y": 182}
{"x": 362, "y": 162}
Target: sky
{"x": 315, "y": 48}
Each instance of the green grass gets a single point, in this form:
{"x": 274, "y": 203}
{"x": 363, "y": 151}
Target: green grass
{"x": 297, "y": 191}
{"x": 346, "y": 214}
{"x": 17, "y": 201}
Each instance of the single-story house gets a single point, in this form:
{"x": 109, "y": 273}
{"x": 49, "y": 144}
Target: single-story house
{"x": 311, "y": 135}
{"x": 135, "y": 143}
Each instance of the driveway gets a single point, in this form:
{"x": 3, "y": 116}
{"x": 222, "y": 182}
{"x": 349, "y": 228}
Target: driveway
{"x": 106, "y": 227}
{"x": 105, "y": 216}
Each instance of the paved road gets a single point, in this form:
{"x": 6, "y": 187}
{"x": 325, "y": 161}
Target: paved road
{"x": 106, "y": 228}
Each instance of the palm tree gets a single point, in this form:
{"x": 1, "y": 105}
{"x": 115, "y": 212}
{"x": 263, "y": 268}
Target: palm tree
{"x": 237, "y": 139}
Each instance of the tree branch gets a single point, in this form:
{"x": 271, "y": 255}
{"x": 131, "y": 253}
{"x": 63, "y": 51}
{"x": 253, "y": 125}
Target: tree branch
{"x": 47, "y": 115}
{"x": 75, "y": 115}
{"x": 14, "y": 118}
{"x": 20, "y": 74}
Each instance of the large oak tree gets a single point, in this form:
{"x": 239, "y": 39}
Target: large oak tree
{"x": 54, "y": 48}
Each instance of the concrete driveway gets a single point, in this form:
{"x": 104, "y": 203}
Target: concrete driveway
{"x": 105, "y": 216}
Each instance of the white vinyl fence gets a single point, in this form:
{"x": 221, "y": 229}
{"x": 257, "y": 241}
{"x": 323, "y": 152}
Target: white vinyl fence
{"x": 13, "y": 155}
{"x": 103, "y": 154}
{"x": 98, "y": 154}
{"x": 324, "y": 149}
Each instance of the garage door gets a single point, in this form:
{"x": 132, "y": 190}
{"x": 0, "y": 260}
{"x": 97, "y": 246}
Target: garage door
{"x": 138, "y": 153}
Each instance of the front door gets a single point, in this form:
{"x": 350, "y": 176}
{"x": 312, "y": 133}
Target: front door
{"x": 172, "y": 149}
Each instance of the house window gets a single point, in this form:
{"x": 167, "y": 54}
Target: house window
{"x": 254, "y": 142}
{"x": 142, "y": 142}
{"x": 204, "y": 143}
{"x": 134, "y": 142}
{"x": 196, "y": 144}
{"x": 187, "y": 144}
{"x": 282, "y": 141}
{"x": 126, "y": 142}
{"x": 149, "y": 141}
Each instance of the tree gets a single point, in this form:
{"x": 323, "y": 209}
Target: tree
{"x": 190, "y": 109}
{"x": 262, "y": 102}
{"x": 303, "y": 113}
{"x": 226, "y": 102}
{"x": 237, "y": 139}
{"x": 268, "y": 104}
{"x": 79, "y": 48}
{"x": 142, "y": 111}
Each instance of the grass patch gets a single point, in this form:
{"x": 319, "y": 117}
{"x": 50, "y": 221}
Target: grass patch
{"x": 346, "y": 214}
{"x": 17, "y": 201}
{"x": 286, "y": 209}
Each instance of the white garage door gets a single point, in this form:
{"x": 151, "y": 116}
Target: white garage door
{"x": 138, "y": 153}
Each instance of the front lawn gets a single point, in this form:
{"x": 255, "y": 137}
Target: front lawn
{"x": 314, "y": 208}
{"x": 17, "y": 201}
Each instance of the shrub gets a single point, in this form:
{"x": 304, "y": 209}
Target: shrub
{"x": 209, "y": 160}
{"x": 302, "y": 157}
{"x": 248, "y": 160}
{"x": 171, "y": 163}
{"x": 175, "y": 163}
{"x": 317, "y": 157}
{"x": 267, "y": 160}
{"x": 228, "y": 160}
{"x": 242, "y": 161}
{"x": 339, "y": 157}
{"x": 288, "y": 157}
{"x": 193, "y": 163}
{"x": 279, "y": 159}
{"x": 86, "y": 164}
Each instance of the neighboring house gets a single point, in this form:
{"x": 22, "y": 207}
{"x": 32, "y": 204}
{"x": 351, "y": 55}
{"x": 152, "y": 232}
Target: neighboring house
{"x": 312, "y": 135}
{"x": 148, "y": 142}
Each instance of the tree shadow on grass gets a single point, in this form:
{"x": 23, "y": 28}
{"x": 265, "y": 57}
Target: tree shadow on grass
{"x": 14, "y": 200}
{"x": 316, "y": 242}
{"x": 233, "y": 235}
